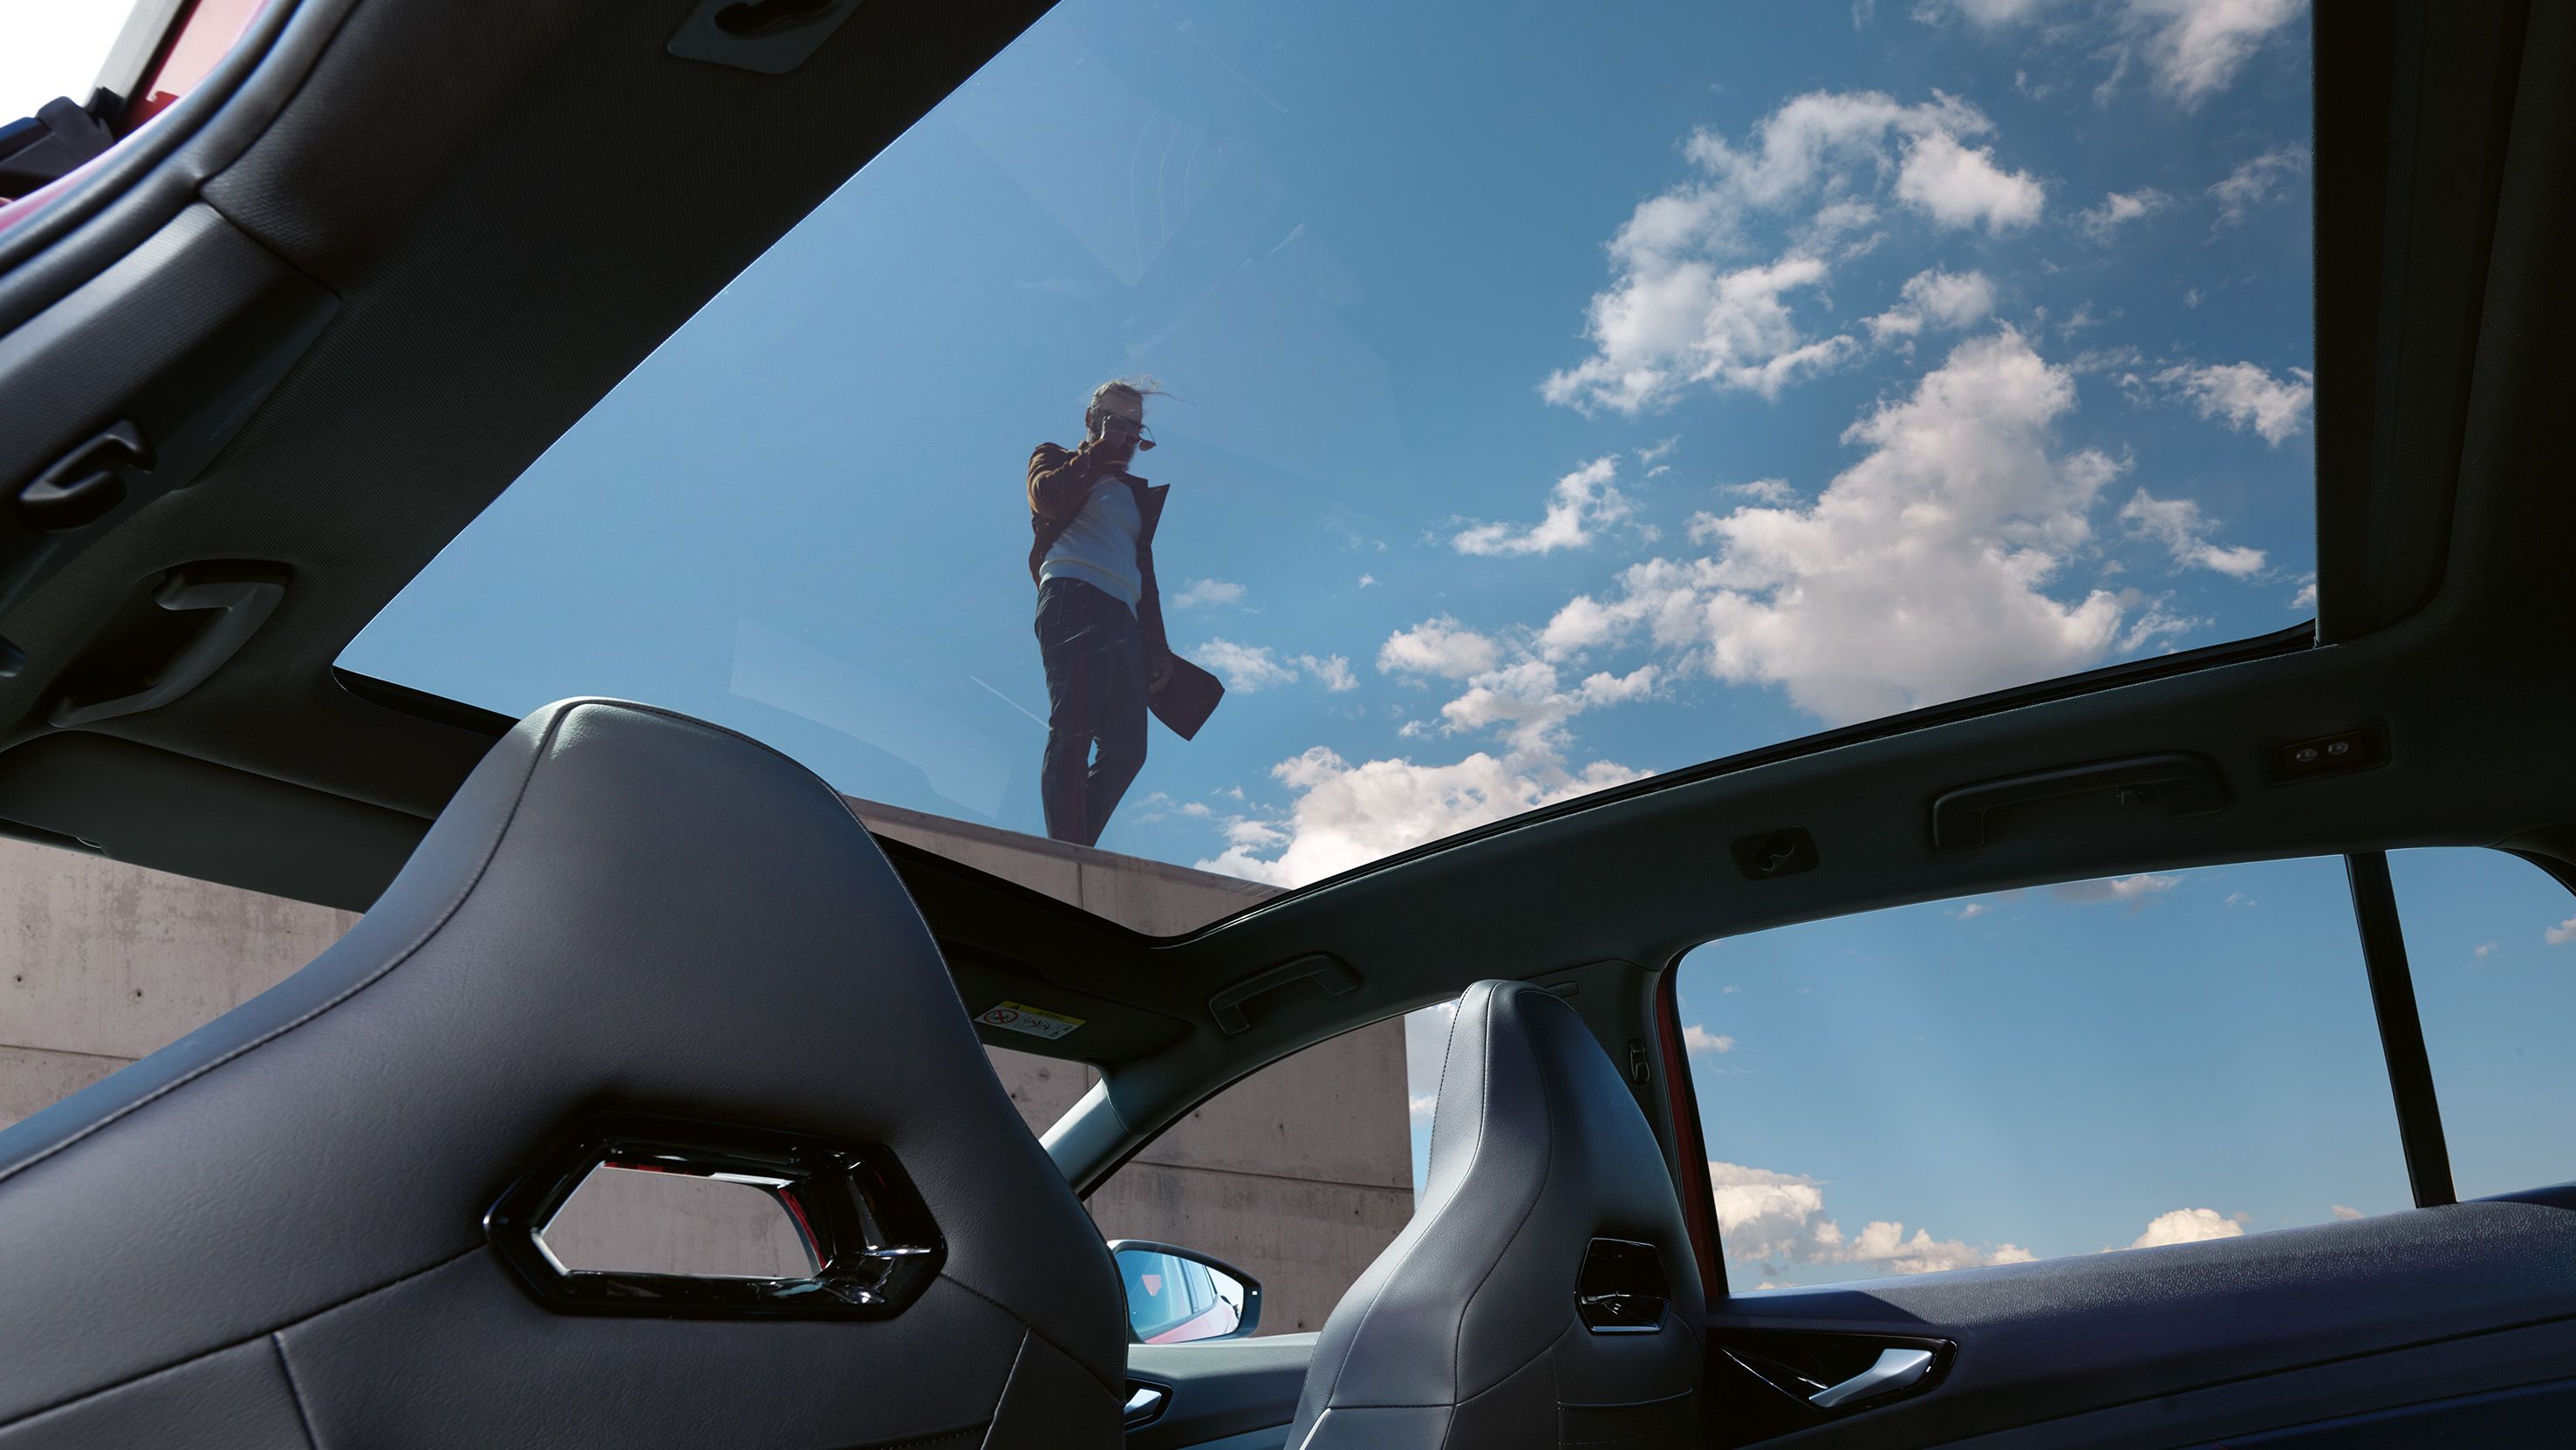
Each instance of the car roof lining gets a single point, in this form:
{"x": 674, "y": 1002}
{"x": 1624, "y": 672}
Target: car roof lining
{"x": 490, "y": 293}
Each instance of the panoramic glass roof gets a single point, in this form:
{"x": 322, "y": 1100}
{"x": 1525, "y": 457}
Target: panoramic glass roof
{"x": 1549, "y": 397}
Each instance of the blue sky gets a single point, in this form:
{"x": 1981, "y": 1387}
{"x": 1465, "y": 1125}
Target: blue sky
{"x": 1559, "y": 395}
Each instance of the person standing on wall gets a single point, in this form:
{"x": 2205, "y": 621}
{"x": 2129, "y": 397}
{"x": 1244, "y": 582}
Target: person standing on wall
{"x": 1100, "y": 616}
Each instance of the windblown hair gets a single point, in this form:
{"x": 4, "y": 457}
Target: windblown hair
{"x": 1139, "y": 388}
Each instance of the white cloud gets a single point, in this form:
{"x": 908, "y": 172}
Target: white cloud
{"x": 2348, "y": 1214}
{"x": 2193, "y": 48}
{"x": 1686, "y": 308}
{"x": 1918, "y": 575}
{"x": 2178, "y": 524}
{"x": 2561, "y": 934}
{"x": 2196, "y": 47}
{"x": 1972, "y": 910}
{"x": 1367, "y": 579}
{"x": 1779, "y": 1218}
{"x": 1766, "y": 1215}
{"x": 2136, "y": 890}
{"x": 2306, "y": 598}
{"x": 1696, "y": 1038}
{"x": 1527, "y": 701}
{"x": 1773, "y": 491}
{"x": 1580, "y": 502}
{"x": 1987, "y": 14}
{"x": 1421, "y": 1107}
{"x": 2244, "y": 396}
{"x": 1333, "y": 672}
{"x": 2187, "y": 1226}
{"x": 1658, "y": 451}
{"x": 1251, "y": 668}
{"x": 1961, "y": 186}
{"x": 1246, "y": 667}
{"x": 2486, "y": 950}
{"x": 1937, "y": 298}
{"x": 2119, "y": 208}
{"x": 1689, "y": 323}
{"x": 1440, "y": 647}
{"x": 2252, "y": 183}
{"x": 1207, "y": 592}
{"x": 1346, "y": 815}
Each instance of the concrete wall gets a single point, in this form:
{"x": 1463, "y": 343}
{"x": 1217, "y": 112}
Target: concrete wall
{"x": 104, "y": 963}
{"x": 1299, "y": 1175}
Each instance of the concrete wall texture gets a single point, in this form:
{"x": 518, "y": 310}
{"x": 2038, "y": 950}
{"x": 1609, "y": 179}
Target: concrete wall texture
{"x": 1300, "y": 1175}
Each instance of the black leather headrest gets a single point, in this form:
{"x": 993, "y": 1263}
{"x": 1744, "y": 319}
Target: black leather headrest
{"x": 621, "y": 909}
{"x": 1465, "y": 1330}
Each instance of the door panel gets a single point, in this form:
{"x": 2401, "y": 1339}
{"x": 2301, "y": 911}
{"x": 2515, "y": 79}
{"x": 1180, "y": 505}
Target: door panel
{"x": 1238, "y": 1394}
{"x": 2226, "y": 1337}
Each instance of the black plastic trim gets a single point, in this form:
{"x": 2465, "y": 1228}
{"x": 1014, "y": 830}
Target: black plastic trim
{"x": 2401, "y": 1030}
{"x": 865, "y": 1222}
{"x": 2297, "y": 639}
{"x": 422, "y": 705}
{"x": 1621, "y": 1288}
{"x": 2183, "y": 783}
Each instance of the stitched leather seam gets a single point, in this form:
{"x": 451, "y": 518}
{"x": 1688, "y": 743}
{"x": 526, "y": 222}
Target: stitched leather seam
{"x": 933, "y": 1438}
{"x": 1021, "y": 1353}
{"x": 294, "y": 1391}
{"x": 1035, "y": 1333}
{"x": 141, "y": 1375}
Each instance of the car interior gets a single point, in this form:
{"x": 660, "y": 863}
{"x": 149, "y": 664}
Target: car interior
{"x": 317, "y": 315}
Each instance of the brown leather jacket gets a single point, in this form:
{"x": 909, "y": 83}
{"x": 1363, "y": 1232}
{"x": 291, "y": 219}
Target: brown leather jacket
{"x": 1060, "y": 481}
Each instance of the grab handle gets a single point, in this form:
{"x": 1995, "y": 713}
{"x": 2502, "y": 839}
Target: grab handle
{"x": 1227, "y": 1005}
{"x": 2185, "y": 785}
{"x": 242, "y": 606}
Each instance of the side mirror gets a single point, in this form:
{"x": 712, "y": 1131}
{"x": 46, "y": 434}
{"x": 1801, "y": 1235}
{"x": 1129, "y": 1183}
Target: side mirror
{"x": 1177, "y": 1296}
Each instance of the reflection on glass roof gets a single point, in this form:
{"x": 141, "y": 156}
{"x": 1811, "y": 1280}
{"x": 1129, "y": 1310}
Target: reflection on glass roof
{"x": 1525, "y": 404}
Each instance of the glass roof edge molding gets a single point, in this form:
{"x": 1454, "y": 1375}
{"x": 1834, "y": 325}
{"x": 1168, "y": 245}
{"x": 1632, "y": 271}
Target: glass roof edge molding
{"x": 2297, "y": 639}
{"x": 1790, "y": 416}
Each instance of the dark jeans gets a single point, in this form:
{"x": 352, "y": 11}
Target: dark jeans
{"x": 1095, "y": 675}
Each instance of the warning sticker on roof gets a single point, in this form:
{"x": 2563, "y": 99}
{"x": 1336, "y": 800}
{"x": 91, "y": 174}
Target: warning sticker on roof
{"x": 1019, "y": 1017}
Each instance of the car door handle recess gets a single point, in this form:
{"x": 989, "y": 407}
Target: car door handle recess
{"x": 242, "y": 606}
{"x": 2183, "y": 784}
{"x": 1144, "y": 1402}
{"x": 1895, "y": 1370}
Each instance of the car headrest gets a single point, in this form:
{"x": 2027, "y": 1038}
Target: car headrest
{"x": 1544, "y": 1175}
{"x": 621, "y": 910}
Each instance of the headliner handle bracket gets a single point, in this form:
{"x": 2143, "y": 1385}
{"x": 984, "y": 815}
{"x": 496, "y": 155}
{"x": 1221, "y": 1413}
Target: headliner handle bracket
{"x": 2184, "y": 784}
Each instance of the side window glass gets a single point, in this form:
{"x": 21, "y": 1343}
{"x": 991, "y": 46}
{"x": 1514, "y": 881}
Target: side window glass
{"x": 2100, "y": 1065}
{"x": 2491, "y": 944}
{"x": 1300, "y": 1175}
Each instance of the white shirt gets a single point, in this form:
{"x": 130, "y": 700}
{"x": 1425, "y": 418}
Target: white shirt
{"x": 1099, "y": 546}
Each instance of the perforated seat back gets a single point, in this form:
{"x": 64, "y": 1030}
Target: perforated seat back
{"x": 271, "y": 1232}
{"x": 1467, "y": 1330}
